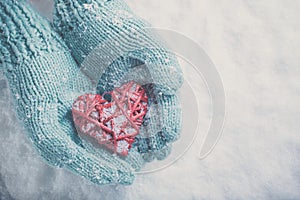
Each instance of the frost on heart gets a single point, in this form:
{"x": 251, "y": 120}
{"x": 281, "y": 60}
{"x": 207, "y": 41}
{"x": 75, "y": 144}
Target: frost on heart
{"x": 115, "y": 123}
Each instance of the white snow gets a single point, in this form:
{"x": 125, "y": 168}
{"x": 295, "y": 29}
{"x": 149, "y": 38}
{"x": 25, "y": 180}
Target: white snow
{"x": 255, "y": 45}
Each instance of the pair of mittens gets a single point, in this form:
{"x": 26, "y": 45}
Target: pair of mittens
{"x": 41, "y": 66}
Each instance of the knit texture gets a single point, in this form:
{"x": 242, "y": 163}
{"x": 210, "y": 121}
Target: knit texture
{"x": 111, "y": 28}
{"x": 43, "y": 79}
{"x": 86, "y": 24}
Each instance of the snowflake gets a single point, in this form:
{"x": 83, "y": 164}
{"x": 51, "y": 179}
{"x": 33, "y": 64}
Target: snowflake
{"x": 17, "y": 96}
{"x": 90, "y": 6}
{"x": 40, "y": 108}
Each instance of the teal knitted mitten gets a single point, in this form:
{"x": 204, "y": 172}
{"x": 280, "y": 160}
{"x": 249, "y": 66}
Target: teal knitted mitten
{"x": 111, "y": 28}
{"x": 44, "y": 82}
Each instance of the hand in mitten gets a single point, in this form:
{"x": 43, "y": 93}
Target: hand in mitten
{"x": 107, "y": 28}
{"x": 43, "y": 78}
{"x": 44, "y": 81}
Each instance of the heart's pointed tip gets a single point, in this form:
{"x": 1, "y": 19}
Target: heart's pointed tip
{"x": 124, "y": 153}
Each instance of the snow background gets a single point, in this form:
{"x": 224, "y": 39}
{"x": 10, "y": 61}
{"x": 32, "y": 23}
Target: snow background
{"x": 255, "y": 45}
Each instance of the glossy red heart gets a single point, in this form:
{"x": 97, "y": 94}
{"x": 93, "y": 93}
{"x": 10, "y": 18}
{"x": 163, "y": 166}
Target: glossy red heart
{"x": 113, "y": 124}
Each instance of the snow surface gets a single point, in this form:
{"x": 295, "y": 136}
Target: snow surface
{"x": 255, "y": 45}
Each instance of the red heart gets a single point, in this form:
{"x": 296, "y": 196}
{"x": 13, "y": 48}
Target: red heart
{"x": 113, "y": 124}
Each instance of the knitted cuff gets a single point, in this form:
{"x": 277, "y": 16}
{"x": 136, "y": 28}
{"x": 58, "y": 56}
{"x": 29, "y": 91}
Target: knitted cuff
{"x": 21, "y": 37}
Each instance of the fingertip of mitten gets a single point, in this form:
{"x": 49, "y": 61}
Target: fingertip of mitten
{"x": 125, "y": 178}
{"x": 148, "y": 157}
{"x": 163, "y": 153}
{"x": 171, "y": 135}
{"x": 160, "y": 154}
